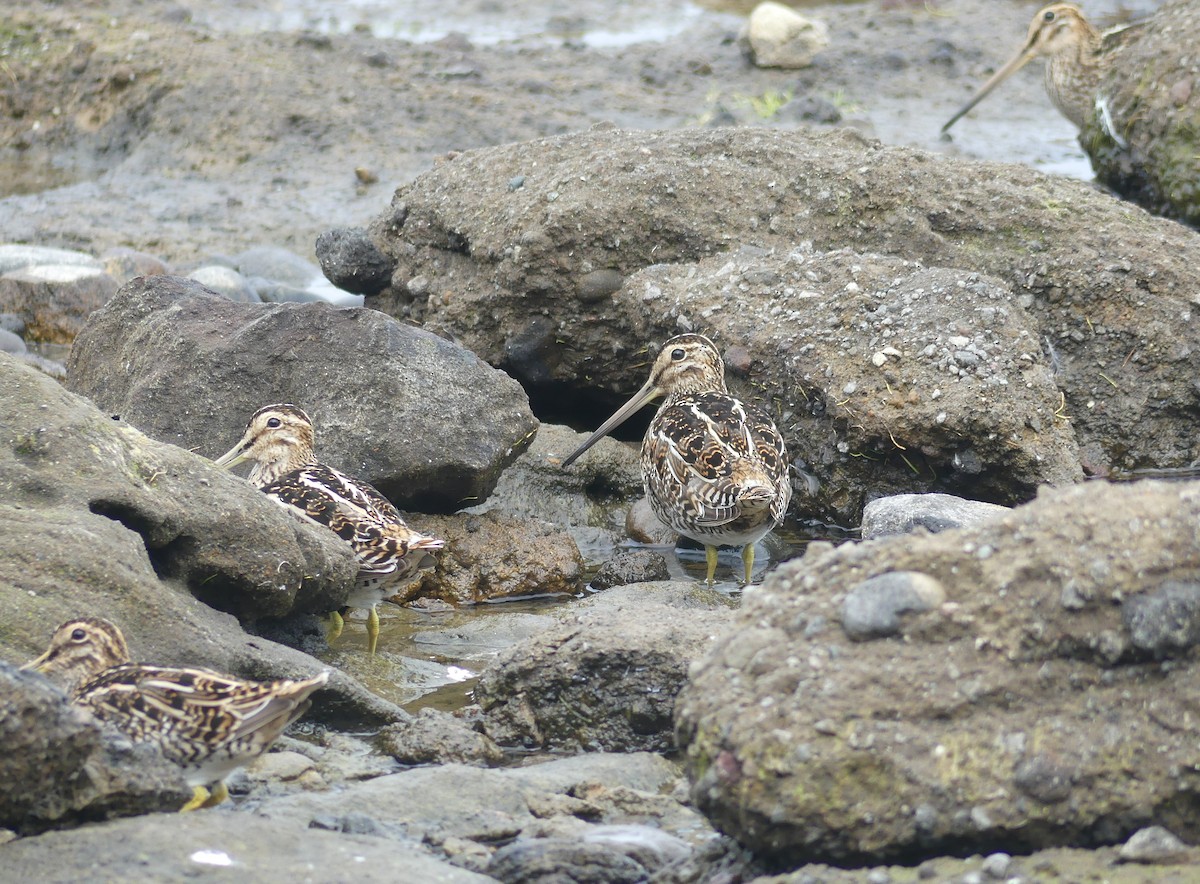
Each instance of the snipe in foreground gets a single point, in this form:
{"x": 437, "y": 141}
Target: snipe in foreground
{"x": 279, "y": 439}
{"x": 1077, "y": 56}
{"x": 206, "y": 723}
{"x": 714, "y": 468}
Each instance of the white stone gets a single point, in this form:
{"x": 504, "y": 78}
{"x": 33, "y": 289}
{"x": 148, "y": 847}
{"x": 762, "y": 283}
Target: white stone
{"x": 14, "y": 256}
{"x": 779, "y": 37}
{"x": 56, "y": 272}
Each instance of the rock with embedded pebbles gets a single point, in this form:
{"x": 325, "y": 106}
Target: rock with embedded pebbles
{"x": 490, "y": 556}
{"x": 977, "y": 721}
{"x": 503, "y": 267}
{"x": 424, "y": 421}
{"x": 436, "y": 737}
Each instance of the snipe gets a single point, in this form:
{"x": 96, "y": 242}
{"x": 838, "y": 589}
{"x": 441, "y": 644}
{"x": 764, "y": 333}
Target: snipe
{"x": 279, "y": 439}
{"x": 714, "y": 468}
{"x": 206, "y": 723}
{"x": 1076, "y": 58}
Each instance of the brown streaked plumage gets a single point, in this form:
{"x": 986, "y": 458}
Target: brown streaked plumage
{"x": 279, "y": 439}
{"x": 1076, "y": 55}
{"x": 714, "y": 468}
{"x": 206, "y": 723}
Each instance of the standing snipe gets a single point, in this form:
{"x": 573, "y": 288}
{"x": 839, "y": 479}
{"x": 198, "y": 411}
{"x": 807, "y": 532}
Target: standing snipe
{"x": 714, "y": 468}
{"x": 208, "y": 724}
{"x": 279, "y": 439}
{"x": 1077, "y": 55}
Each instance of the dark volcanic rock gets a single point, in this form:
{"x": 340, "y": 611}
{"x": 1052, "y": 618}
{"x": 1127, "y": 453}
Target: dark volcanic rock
{"x": 631, "y": 566}
{"x": 978, "y": 724}
{"x": 426, "y": 422}
{"x": 352, "y": 262}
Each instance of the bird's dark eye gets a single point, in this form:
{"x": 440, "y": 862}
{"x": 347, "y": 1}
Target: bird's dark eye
{"x": 78, "y": 635}
{"x": 274, "y": 423}
{"x": 677, "y": 354}
{"x": 1049, "y": 16}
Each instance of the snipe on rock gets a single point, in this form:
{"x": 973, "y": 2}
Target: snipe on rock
{"x": 1076, "y": 56}
{"x": 279, "y": 439}
{"x": 714, "y": 468}
{"x": 206, "y": 723}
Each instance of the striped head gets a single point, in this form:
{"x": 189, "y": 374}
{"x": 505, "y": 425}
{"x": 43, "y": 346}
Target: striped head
{"x": 1060, "y": 33}
{"x": 79, "y": 650}
{"x": 278, "y": 438}
{"x": 1057, "y": 28}
{"x": 686, "y": 364}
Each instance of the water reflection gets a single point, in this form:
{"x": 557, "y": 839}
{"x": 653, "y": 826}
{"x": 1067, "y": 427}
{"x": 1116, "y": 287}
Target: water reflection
{"x": 433, "y": 658}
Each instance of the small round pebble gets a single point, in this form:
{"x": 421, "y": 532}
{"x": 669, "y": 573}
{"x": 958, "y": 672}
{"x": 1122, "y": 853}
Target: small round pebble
{"x": 996, "y": 865}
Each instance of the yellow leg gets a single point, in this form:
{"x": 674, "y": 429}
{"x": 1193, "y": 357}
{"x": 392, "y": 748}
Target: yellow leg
{"x": 372, "y": 631}
{"x": 710, "y": 554}
{"x": 199, "y": 798}
{"x": 219, "y": 794}
{"x": 748, "y": 559}
{"x": 335, "y": 626}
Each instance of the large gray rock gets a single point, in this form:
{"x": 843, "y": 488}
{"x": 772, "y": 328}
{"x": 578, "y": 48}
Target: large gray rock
{"x": 235, "y": 550}
{"x": 102, "y": 520}
{"x": 217, "y": 845}
{"x": 425, "y": 421}
{"x": 58, "y": 765}
{"x": 607, "y": 677}
{"x": 514, "y": 275}
{"x": 1029, "y": 707}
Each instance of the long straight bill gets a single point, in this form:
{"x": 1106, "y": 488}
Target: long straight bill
{"x": 1014, "y": 64}
{"x": 640, "y": 398}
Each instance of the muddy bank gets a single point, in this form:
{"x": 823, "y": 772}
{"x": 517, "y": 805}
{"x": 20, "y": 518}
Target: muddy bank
{"x": 144, "y": 127}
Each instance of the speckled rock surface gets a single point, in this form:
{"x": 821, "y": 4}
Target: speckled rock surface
{"x": 904, "y": 513}
{"x": 217, "y": 844}
{"x": 1021, "y": 710}
{"x": 1103, "y": 292}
